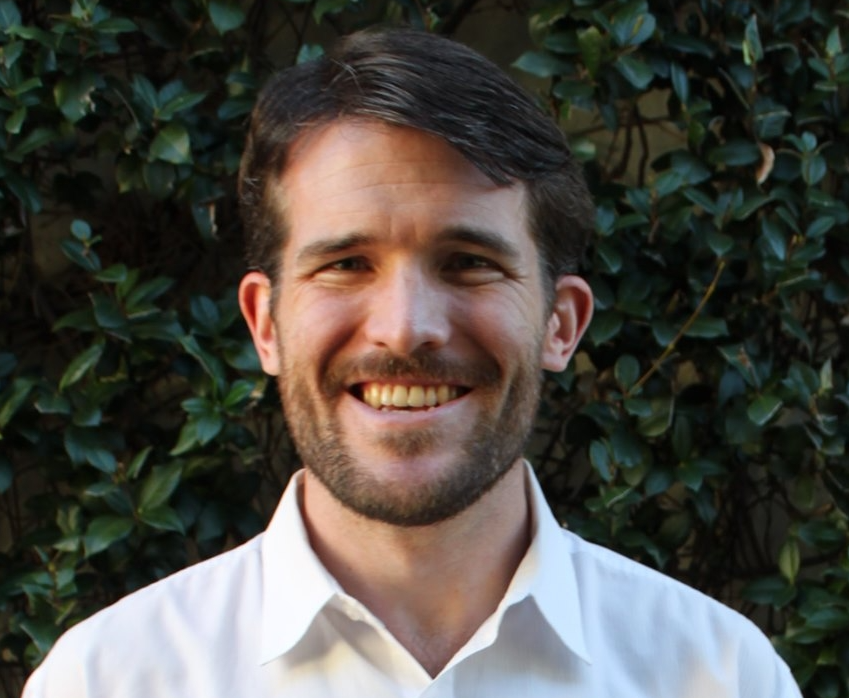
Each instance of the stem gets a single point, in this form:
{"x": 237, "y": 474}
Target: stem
{"x": 686, "y": 326}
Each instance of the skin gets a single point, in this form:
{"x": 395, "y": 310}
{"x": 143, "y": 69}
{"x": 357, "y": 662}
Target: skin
{"x": 405, "y": 265}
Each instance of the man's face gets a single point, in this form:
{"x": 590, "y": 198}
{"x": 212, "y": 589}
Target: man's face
{"x": 409, "y": 328}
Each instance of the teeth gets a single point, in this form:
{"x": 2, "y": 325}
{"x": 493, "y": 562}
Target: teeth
{"x": 386, "y": 395}
{"x": 416, "y": 396}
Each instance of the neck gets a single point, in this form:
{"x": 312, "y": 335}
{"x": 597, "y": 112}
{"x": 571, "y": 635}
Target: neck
{"x": 432, "y": 586}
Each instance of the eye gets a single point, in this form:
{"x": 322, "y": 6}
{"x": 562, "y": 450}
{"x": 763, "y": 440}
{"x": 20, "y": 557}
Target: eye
{"x": 472, "y": 269}
{"x": 469, "y": 261}
{"x": 348, "y": 264}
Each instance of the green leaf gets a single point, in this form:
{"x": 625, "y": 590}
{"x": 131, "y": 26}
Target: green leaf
{"x": 207, "y": 427}
{"x": 115, "y": 25}
{"x": 752, "y": 48}
{"x": 145, "y": 93}
{"x": 81, "y": 365}
{"x": 147, "y": 292}
{"x": 163, "y": 518}
{"x": 592, "y": 46}
{"x": 10, "y": 16}
{"x": 631, "y": 25}
{"x": 159, "y": 486}
{"x": 226, "y": 15}
{"x": 8, "y": 361}
{"x": 627, "y": 450}
{"x": 707, "y": 327}
{"x": 53, "y": 403}
{"x": 239, "y": 393}
{"x": 181, "y": 102}
{"x": 749, "y": 205}
{"x": 605, "y": 326}
{"x": 81, "y": 319}
{"x": 107, "y": 312}
{"x": 719, "y": 243}
{"x": 37, "y": 138}
{"x": 833, "y": 44}
{"x": 635, "y": 71}
{"x": 172, "y": 145}
{"x": 15, "y": 120}
{"x": 12, "y": 398}
{"x": 600, "y": 459}
{"x": 112, "y": 275}
{"x": 541, "y": 64}
{"x": 7, "y": 475}
{"x": 104, "y": 531}
{"x": 205, "y": 314}
{"x": 309, "y": 52}
{"x": 789, "y": 560}
{"x": 42, "y": 633}
{"x": 658, "y": 422}
{"x": 680, "y": 82}
{"x": 211, "y": 364}
{"x": 81, "y": 230}
{"x": 735, "y": 153}
{"x": 814, "y": 168}
{"x": 820, "y": 226}
{"x": 775, "y": 591}
{"x": 187, "y": 439}
{"x": 764, "y": 408}
{"x": 135, "y": 466}
{"x": 626, "y": 371}
{"x": 73, "y": 94}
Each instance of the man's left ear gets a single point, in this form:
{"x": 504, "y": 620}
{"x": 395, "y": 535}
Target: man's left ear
{"x": 570, "y": 317}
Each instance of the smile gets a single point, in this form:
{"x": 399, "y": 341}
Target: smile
{"x": 392, "y": 395}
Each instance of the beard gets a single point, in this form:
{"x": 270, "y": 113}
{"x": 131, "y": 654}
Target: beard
{"x": 487, "y": 452}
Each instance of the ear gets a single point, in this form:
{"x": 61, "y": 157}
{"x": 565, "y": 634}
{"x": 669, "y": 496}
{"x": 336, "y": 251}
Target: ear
{"x": 570, "y": 317}
{"x": 255, "y": 302}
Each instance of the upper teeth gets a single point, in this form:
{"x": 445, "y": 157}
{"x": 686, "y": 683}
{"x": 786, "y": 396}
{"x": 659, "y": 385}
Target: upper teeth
{"x": 381, "y": 394}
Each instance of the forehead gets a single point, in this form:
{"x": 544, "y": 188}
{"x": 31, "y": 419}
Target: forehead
{"x": 353, "y": 173}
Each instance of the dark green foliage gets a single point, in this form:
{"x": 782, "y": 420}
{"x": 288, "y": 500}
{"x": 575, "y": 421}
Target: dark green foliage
{"x": 702, "y": 429}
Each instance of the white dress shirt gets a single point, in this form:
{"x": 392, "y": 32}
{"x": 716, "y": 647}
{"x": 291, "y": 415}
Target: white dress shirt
{"x": 267, "y": 619}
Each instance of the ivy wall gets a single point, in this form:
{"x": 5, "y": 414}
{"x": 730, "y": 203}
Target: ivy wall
{"x": 702, "y": 428}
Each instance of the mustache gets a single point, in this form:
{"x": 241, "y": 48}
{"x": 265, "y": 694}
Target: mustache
{"x": 424, "y": 366}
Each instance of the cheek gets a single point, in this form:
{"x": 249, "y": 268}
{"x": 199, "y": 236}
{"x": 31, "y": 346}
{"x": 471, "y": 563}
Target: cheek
{"x": 506, "y": 327}
{"x": 311, "y": 327}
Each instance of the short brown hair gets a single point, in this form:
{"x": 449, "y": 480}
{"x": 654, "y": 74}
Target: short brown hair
{"x": 428, "y": 82}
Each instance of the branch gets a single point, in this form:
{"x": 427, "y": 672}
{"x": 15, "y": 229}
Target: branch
{"x": 686, "y": 326}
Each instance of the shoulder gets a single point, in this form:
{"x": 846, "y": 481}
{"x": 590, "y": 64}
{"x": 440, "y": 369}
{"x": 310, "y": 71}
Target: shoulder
{"x": 159, "y": 624}
{"x": 610, "y": 582}
{"x": 649, "y": 619}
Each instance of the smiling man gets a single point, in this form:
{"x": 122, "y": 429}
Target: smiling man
{"x": 414, "y": 226}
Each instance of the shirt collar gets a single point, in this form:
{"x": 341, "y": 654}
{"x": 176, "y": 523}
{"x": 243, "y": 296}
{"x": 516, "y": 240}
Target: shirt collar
{"x": 547, "y": 575}
{"x": 297, "y": 587}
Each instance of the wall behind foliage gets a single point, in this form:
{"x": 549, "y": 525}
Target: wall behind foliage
{"x": 702, "y": 429}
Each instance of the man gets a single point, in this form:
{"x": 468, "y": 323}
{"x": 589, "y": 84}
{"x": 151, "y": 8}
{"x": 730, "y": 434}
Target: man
{"x": 414, "y": 227}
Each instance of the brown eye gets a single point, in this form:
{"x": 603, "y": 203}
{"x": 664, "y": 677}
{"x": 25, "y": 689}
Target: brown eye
{"x": 348, "y": 264}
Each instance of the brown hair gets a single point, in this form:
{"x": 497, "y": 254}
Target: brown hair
{"x": 424, "y": 81}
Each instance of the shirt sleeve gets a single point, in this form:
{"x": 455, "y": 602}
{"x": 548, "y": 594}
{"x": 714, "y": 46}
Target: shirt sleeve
{"x": 60, "y": 675}
{"x": 773, "y": 679}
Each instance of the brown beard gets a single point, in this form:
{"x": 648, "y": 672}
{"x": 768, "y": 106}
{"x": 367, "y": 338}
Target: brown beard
{"x": 492, "y": 446}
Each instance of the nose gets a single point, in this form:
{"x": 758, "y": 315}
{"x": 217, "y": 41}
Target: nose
{"x": 408, "y": 312}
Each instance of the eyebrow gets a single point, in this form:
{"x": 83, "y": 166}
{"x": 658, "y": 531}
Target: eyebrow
{"x": 479, "y": 237}
{"x": 322, "y": 249}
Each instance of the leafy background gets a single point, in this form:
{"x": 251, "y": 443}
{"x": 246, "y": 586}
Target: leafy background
{"x": 702, "y": 428}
